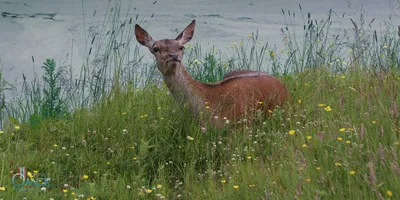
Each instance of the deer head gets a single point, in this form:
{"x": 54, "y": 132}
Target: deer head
{"x": 168, "y": 52}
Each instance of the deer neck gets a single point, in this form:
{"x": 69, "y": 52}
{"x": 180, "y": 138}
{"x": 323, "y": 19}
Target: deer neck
{"x": 185, "y": 89}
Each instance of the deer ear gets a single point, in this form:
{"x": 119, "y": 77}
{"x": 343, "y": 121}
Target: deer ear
{"x": 143, "y": 37}
{"x": 187, "y": 33}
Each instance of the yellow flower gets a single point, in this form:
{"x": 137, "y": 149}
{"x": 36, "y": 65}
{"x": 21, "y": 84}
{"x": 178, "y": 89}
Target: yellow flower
{"x": 347, "y": 141}
{"x": 85, "y": 176}
{"x": 17, "y": 127}
{"x": 292, "y": 132}
{"x": 73, "y": 193}
{"x": 342, "y": 130}
{"x": 328, "y": 108}
{"x": 389, "y": 193}
{"x": 318, "y": 168}
{"x": 260, "y": 102}
{"x": 35, "y": 171}
{"x": 308, "y": 180}
{"x": 134, "y": 158}
{"x": 339, "y": 138}
{"x": 149, "y": 191}
{"x": 352, "y": 172}
{"x": 299, "y": 100}
{"x": 159, "y": 186}
{"x": 208, "y": 107}
{"x": 190, "y": 138}
{"x": 321, "y": 104}
{"x": 30, "y": 175}
{"x": 65, "y": 190}
{"x": 304, "y": 146}
{"x": 252, "y": 185}
{"x": 338, "y": 164}
{"x": 55, "y": 145}
{"x": 309, "y": 137}
{"x": 124, "y": 113}
{"x": 2, "y": 189}
{"x": 159, "y": 108}
{"x": 223, "y": 181}
{"x": 108, "y": 163}
{"x": 91, "y": 198}
{"x": 249, "y": 157}
{"x": 343, "y": 77}
{"x": 373, "y": 122}
{"x": 270, "y": 111}
{"x": 236, "y": 186}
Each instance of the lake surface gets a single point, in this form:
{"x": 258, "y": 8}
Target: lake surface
{"x": 56, "y": 28}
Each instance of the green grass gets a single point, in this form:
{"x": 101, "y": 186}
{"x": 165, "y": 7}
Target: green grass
{"x": 138, "y": 138}
{"x": 116, "y": 132}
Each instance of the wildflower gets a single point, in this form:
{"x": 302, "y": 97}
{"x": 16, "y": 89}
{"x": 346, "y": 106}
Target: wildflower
{"x": 385, "y": 47}
{"x": 2, "y": 188}
{"x": 292, "y": 132}
{"x": 85, "y": 176}
{"x": 208, "y": 107}
{"x": 91, "y": 198}
{"x": 236, "y": 186}
{"x": 190, "y": 138}
{"x": 260, "y": 102}
{"x": 338, "y": 164}
{"x": 35, "y": 171}
{"x": 308, "y": 180}
{"x": 216, "y": 117}
{"x": 252, "y": 185}
{"x": 307, "y": 84}
{"x": 248, "y": 157}
{"x": 318, "y": 168}
{"x": 65, "y": 190}
{"x": 1, "y": 132}
{"x": 270, "y": 111}
{"x": 134, "y": 158}
{"x": 272, "y": 54}
{"x": 128, "y": 187}
{"x": 309, "y": 137}
{"x": 159, "y": 108}
{"x": 321, "y": 104}
{"x": 108, "y": 163}
{"x": 43, "y": 189}
{"x": 159, "y": 186}
{"x": 342, "y": 130}
{"x": 55, "y": 145}
{"x": 373, "y": 122}
{"x": 389, "y": 193}
{"x": 352, "y": 172}
{"x": 124, "y": 113}
{"x": 149, "y": 191}
{"x": 299, "y": 100}
{"x": 343, "y": 77}
{"x": 328, "y": 108}
{"x": 304, "y": 146}
{"x": 339, "y": 138}
{"x": 30, "y": 175}
{"x": 223, "y": 181}
{"x": 348, "y": 142}
{"x": 17, "y": 127}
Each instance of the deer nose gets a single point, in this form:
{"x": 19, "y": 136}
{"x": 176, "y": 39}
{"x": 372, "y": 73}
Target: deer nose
{"x": 173, "y": 56}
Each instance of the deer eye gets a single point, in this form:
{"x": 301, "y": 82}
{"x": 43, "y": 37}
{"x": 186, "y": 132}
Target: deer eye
{"x": 181, "y": 48}
{"x": 155, "y": 49}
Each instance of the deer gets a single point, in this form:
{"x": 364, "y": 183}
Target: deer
{"x": 238, "y": 95}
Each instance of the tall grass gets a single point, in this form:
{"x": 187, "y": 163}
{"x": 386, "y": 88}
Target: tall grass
{"x": 124, "y": 137}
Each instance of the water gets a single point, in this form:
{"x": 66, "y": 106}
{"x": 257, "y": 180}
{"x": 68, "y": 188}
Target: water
{"x": 57, "y": 29}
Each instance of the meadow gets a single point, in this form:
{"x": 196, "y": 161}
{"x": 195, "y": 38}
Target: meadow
{"x": 115, "y": 131}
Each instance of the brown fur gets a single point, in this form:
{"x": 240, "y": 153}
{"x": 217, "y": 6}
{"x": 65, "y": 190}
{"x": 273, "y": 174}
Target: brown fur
{"x": 239, "y": 94}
